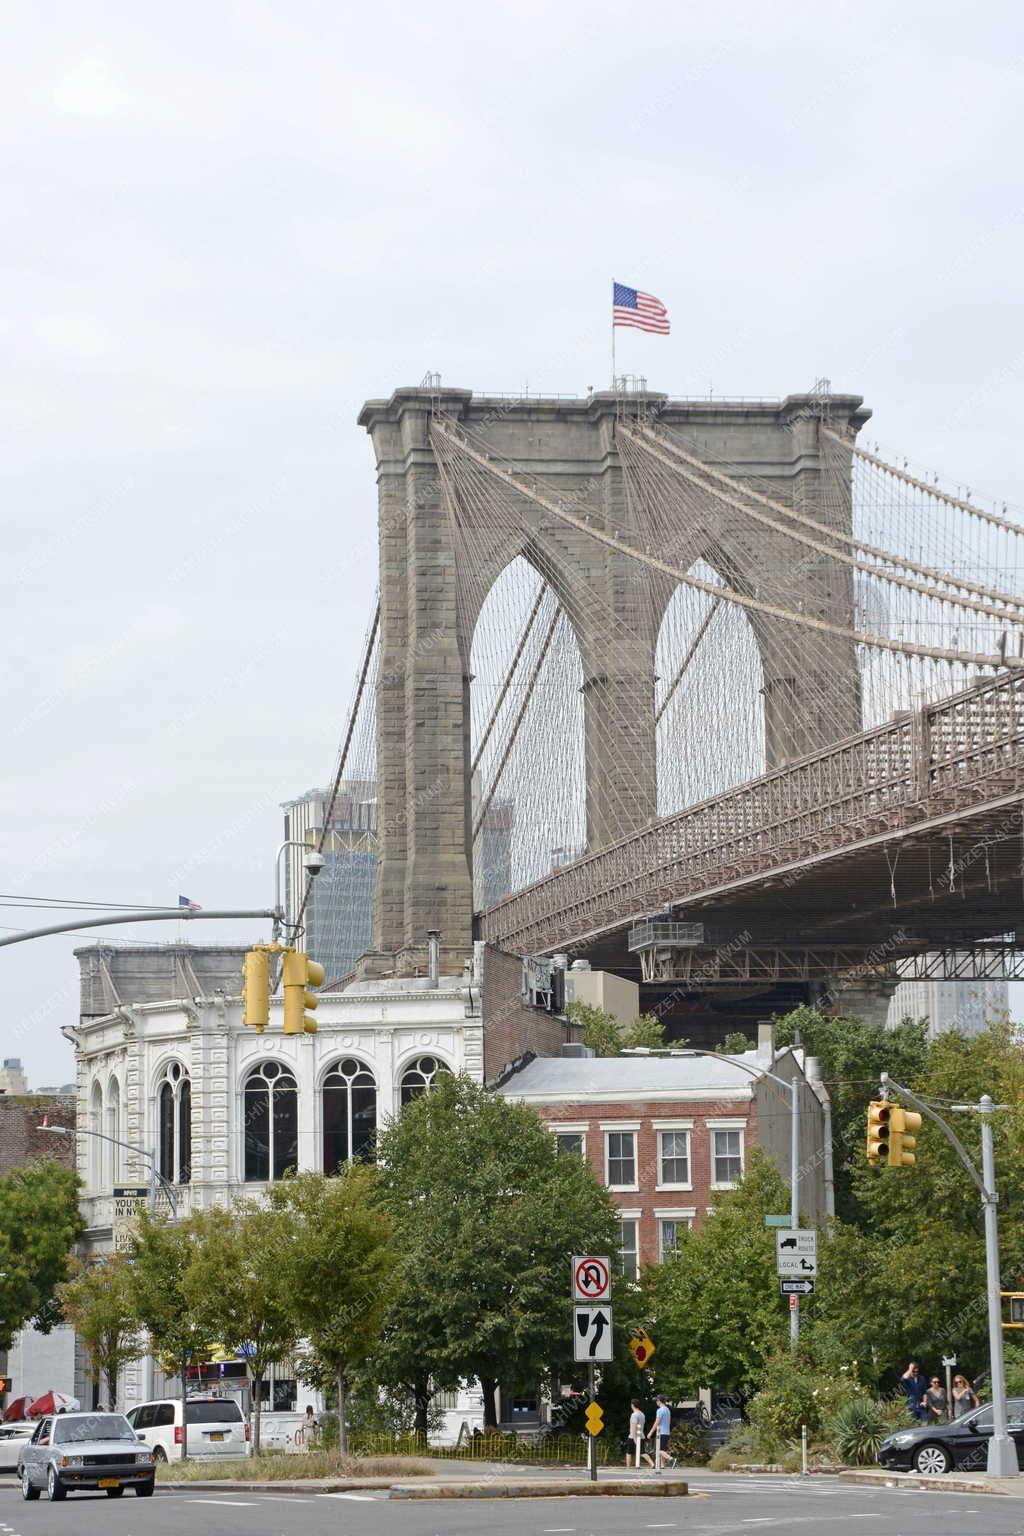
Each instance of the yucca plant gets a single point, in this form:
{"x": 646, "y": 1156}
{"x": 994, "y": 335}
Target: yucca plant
{"x": 858, "y": 1429}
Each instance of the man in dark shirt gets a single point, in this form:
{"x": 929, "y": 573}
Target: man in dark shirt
{"x": 915, "y": 1387}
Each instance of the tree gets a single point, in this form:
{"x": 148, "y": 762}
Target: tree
{"x": 605, "y": 1036}
{"x": 717, "y": 1300}
{"x": 853, "y": 1055}
{"x": 39, "y": 1223}
{"x": 487, "y": 1214}
{"x": 339, "y": 1270}
{"x": 97, "y": 1301}
{"x": 180, "y": 1324}
{"x": 238, "y": 1274}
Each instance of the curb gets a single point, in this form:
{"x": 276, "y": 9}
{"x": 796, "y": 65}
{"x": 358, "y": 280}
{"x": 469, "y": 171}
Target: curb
{"x": 282, "y": 1485}
{"x": 944, "y": 1484}
{"x": 552, "y": 1490}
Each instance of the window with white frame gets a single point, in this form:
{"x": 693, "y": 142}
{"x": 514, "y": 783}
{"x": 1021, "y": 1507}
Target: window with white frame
{"x": 629, "y": 1256}
{"x": 727, "y": 1156}
{"x": 113, "y": 1129}
{"x": 573, "y": 1142}
{"x": 674, "y": 1159}
{"x": 174, "y": 1111}
{"x": 620, "y": 1159}
{"x": 420, "y": 1076}
{"x": 670, "y": 1225}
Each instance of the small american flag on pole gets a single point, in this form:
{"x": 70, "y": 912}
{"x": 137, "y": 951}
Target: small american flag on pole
{"x": 641, "y": 310}
{"x": 187, "y": 902}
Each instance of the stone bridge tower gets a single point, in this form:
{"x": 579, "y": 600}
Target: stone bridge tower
{"x": 424, "y": 798}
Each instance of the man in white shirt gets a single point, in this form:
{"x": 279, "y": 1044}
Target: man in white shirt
{"x": 636, "y": 1436}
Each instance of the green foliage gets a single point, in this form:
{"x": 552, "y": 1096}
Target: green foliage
{"x": 97, "y": 1301}
{"x": 716, "y": 1302}
{"x": 1014, "y": 1356}
{"x": 858, "y": 1429}
{"x": 486, "y": 1214}
{"x": 852, "y": 1056}
{"x": 238, "y": 1274}
{"x": 605, "y": 1036}
{"x": 734, "y": 1044}
{"x": 741, "y": 1446}
{"x": 795, "y": 1392}
{"x": 339, "y": 1269}
{"x": 895, "y": 1413}
{"x": 689, "y": 1444}
{"x": 375, "y": 1410}
{"x": 39, "y": 1223}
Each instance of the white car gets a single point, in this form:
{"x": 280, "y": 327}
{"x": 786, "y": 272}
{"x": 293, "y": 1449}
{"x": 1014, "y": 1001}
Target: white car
{"x": 216, "y": 1427}
{"x": 12, "y": 1438}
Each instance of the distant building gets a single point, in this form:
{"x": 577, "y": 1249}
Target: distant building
{"x": 12, "y": 1078}
{"x": 339, "y": 907}
{"x": 666, "y": 1133}
{"x": 964, "y": 1006}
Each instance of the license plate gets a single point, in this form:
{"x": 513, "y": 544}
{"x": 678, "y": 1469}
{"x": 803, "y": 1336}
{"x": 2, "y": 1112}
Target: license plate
{"x": 217, "y": 1437}
{"x": 110, "y": 1482}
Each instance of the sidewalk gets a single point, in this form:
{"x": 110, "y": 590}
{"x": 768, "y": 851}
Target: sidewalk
{"x": 971, "y": 1482}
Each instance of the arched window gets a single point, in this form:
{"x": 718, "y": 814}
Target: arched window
{"x": 113, "y": 1129}
{"x": 350, "y": 1114}
{"x": 174, "y": 1104}
{"x": 420, "y": 1076}
{"x": 271, "y": 1125}
{"x": 95, "y": 1155}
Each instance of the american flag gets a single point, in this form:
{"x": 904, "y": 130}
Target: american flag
{"x": 642, "y": 310}
{"x": 186, "y": 901}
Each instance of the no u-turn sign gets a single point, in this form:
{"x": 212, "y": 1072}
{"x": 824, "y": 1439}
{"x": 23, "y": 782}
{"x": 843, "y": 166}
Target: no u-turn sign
{"x": 591, "y": 1277}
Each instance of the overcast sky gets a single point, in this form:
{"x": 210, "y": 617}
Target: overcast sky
{"x": 226, "y": 225}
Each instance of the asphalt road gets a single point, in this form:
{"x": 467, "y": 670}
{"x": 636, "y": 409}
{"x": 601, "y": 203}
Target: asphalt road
{"x": 727, "y": 1506}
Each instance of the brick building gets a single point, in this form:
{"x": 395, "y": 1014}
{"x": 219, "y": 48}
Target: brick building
{"x": 666, "y": 1133}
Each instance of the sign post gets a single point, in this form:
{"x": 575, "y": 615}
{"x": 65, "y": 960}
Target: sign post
{"x": 592, "y": 1333}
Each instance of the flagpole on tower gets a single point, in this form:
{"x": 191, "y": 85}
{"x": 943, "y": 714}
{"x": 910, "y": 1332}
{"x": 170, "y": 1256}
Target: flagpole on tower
{"x": 613, "y": 335}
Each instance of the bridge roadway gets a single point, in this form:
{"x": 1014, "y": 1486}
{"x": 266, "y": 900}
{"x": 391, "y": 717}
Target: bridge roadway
{"x": 901, "y": 840}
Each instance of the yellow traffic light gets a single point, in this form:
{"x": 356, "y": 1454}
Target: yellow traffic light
{"x": 878, "y": 1129}
{"x": 256, "y": 988}
{"x": 901, "y": 1154}
{"x": 594, "y": 1418}
{"x": 300, "y": 972}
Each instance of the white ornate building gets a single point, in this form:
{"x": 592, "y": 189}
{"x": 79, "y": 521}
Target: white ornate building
{"x": 165, "y": 1063}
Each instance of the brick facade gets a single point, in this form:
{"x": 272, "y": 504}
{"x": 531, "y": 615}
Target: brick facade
{"x": 22, "y": 1142}
{"x": 511, "y": 1027}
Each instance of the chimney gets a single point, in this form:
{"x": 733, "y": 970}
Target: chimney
{"x": 433, "y": 955}
{"x": 765, "y": 1040}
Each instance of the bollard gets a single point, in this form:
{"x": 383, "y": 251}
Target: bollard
{"x": 803, "y": 1450}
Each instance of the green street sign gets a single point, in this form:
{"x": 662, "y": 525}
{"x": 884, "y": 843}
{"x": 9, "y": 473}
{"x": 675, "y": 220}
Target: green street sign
{"x": 777, "y": 1221}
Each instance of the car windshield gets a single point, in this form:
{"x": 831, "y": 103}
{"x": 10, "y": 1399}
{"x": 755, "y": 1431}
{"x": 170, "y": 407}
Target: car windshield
{"x": 92, "y": 1426}
{"x": 221, "y": 1411}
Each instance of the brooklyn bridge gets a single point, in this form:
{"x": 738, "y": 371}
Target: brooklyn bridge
{"x": 709, "y": 692}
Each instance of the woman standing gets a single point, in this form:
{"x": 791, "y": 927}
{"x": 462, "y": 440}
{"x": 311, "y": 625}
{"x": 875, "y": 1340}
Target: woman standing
{"x": 934, "y": 1402}
{"x": 964, "y": 1397}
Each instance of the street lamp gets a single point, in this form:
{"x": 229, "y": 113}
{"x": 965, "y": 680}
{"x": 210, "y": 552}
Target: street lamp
{"x": 793, "y": 1088}
{"x": 312, "y": 863}
{"x": 156, "y": 1178}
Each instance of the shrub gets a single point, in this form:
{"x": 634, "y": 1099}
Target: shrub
{"x": 858, "y": 1429}
{"x": 795, "y": 1393}
{"x": 895, "y": 1413}
{"x": 741, "y": 1446}
{"x": 689, "y": 1444}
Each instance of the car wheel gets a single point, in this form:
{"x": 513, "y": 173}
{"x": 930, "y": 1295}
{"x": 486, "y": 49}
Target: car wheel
{"x": 160, "y": 1455}
{"x": 54, "y": 1491}
{"x": 144, "y": 1490}
{"x": 932, "y": 1460}
{"x": 28, "y": 1488}
{"x": 114, "y": 1493}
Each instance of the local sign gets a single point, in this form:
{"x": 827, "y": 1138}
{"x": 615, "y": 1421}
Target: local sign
{"x": 591, "y": 1277}
{"x": 796, "y": 1254}
{"x": 592, "y": 1334}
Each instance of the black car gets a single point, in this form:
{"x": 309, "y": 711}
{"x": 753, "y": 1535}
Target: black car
{"x": 963, "y": 1444}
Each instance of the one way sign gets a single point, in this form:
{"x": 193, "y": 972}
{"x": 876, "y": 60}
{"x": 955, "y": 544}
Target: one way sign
{"x": 592, "y": 1333}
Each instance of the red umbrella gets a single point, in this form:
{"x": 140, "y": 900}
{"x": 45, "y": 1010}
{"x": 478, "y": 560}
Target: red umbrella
{"x": 17, "y": 1410}
{"x": 53, "y": 1402}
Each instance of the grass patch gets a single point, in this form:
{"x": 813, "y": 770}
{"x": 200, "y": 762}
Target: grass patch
{"x": 273, "y": 1467}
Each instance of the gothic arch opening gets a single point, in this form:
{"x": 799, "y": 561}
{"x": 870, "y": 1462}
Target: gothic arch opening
{"x": 526, "y": 736}
{"x": 709, "y": 698}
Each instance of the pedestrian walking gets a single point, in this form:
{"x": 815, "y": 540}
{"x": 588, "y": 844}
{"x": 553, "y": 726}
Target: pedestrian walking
{"x": 934, "y": 1402}
{"x": 965, "y": 1399}
{"x": 914, "y": 1387}
{"x": 659, "y": 1433}
{"x": 636, "y": 1434}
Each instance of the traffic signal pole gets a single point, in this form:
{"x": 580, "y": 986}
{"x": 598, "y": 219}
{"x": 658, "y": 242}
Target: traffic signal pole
{"x": 1002, "y": 1452}
{"x": 150, "y": 915}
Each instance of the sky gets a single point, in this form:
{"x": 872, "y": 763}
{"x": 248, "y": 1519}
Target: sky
{"x": 227, "y": 225}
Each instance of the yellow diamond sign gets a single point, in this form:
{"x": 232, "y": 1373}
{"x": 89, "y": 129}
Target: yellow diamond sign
{"x": 594, "y": 1417}
{"x": 641, "y": 1347}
